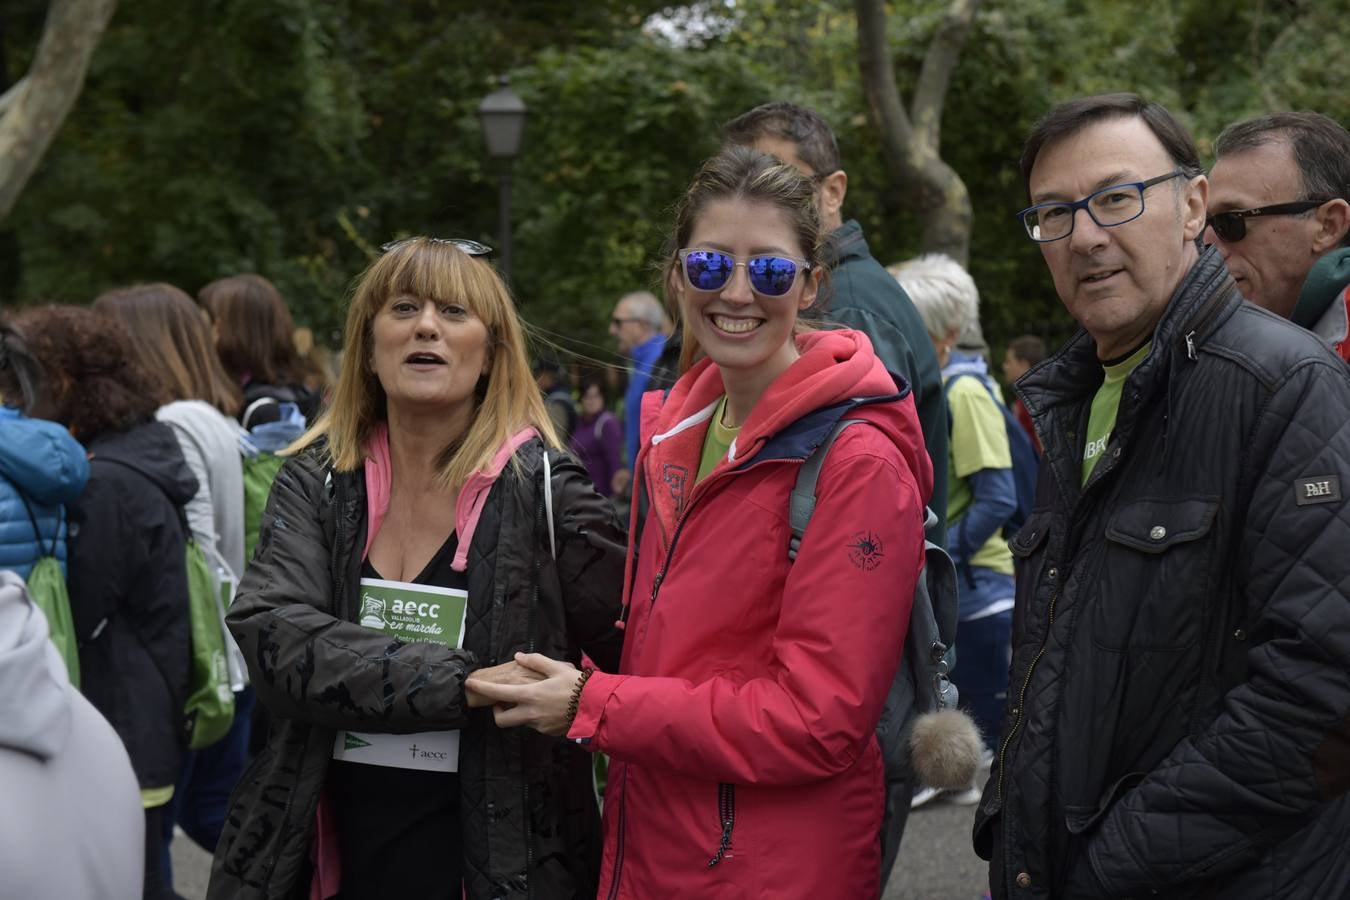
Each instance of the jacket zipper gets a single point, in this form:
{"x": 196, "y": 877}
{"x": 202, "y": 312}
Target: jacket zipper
{"x": 728, "y": 817}
{"x": 618, "y": 847}
{"x": 726, "y": 814}
{"x": 539, "y": 513}
{"x": 1022, "y": 695}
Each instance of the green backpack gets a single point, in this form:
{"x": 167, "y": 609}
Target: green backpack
{"x": 261, "y": 462}
{"x": 210, "y": 703}
{"x": 209, "y": 710}
{"x": 47, "y": 588}
{"x": 259, "y": 473}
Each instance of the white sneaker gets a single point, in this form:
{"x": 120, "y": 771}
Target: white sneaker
{"x": 969, "y": 797}
{"x": 924, "y": 795}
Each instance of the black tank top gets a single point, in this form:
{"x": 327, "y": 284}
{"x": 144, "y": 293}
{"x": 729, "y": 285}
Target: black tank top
{"x": 398, "y": 830}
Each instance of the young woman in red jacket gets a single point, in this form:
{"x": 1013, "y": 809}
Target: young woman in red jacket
{"x": 740, "y": 723}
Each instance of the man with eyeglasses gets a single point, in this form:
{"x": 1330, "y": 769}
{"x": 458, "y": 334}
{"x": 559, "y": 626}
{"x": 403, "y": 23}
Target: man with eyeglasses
{"x": 1178, "y": 718}
{"x": 1279, "y": 212}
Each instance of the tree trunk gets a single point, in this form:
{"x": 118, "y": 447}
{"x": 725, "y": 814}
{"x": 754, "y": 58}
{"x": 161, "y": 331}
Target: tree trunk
{"x": 910, "y": 140}
{"x": 32, "y": 110}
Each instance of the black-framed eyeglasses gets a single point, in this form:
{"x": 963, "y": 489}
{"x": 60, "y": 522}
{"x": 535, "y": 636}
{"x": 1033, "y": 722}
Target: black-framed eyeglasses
{"x": 619, "y": 322}
{"x": 1108, "y": 207}
{"x": 472, "y": 248}
{"x": 1231, "y": 225}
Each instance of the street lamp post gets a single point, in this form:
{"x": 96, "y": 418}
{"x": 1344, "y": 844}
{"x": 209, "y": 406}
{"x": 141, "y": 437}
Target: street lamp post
{"x": 503, "y": 116}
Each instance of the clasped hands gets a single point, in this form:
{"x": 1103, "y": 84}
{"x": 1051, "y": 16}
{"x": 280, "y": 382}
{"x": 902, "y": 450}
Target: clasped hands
{"x": 531, "y": 690}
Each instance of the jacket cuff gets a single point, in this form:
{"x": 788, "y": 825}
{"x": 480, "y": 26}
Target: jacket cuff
{"x": 591, "y": 710}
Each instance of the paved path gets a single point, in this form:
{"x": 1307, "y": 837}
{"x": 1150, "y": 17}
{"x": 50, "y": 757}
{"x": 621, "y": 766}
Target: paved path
{"x": 935, "y": 863}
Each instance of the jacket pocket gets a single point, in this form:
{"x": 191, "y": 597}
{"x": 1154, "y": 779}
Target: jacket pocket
{"x": 1028, "y": 561}
{"x": 1153, "y": 585}
{"x": 1031, "y": 535}
{"x": 1078, "y": 819}
{"x": 1157, "y": 526}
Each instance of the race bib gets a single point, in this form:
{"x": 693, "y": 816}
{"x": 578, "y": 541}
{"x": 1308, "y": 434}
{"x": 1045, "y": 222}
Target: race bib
{"x": 409, "y": 612}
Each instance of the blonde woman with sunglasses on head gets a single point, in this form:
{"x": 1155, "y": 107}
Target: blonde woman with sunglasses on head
{"x": 427, "y": 526}
{"x": 740, "y": 725}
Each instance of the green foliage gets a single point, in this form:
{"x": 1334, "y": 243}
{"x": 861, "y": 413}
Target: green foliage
{"x": 292, "y": 138}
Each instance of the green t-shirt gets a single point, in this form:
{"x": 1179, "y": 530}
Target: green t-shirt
{"x": 1102, "y": 419}
{"x": 717, "y": 441}
{"x": 979, "y": 441}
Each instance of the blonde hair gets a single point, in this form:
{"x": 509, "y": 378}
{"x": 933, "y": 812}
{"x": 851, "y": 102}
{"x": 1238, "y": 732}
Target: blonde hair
{"x": 507, "y": 398}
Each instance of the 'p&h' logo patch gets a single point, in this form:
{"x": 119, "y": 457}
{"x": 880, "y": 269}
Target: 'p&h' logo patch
{"x": 1317, "y": 489}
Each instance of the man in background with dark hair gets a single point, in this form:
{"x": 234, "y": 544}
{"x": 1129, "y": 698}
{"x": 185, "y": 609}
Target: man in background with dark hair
{"x": 1279, "y": 212}
{"x": 1179, "y": 715}
{"x": 861, "y": 295}
{"x": 858, "y": 293}
{"x": 1024, "y": 351}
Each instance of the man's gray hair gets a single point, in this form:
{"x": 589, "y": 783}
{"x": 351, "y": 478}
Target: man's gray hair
{"x": 942, "y": 291}
{"x": 643, "y": 305}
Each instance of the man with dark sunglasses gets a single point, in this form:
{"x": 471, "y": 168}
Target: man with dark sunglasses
{"x": 861, "y": 295}
{"x": 1178, "y": 715}
{"x": 1279, "y": 212}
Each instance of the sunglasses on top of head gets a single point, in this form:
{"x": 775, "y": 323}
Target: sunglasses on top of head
{"x": 464, "y": 245}
{"x": 770, "y": 274}
{"x": 1231, "y": 226}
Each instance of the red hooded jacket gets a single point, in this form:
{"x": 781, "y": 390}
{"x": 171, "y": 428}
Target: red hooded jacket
{"x": 740, "y": 727}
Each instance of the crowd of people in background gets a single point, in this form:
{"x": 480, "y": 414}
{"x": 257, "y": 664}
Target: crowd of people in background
{"x": 454, "y": 570}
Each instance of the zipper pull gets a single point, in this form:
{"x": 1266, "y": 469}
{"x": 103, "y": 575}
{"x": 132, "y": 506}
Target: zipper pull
{"x": 656, "y": 584}
{"x": 1190, "y": 347}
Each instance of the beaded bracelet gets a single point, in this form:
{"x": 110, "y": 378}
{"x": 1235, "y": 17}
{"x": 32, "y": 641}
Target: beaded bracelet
{"x": 576, "y": 695}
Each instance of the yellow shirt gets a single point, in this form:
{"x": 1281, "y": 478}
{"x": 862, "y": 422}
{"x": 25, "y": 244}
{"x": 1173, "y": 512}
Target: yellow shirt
{"x": 717, "y": 441}
{"x": 979, "y": 440}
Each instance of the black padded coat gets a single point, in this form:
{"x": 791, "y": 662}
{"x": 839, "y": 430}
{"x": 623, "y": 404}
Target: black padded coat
{"x": 1178, "y": 719}
{"x": 528, "y": 807}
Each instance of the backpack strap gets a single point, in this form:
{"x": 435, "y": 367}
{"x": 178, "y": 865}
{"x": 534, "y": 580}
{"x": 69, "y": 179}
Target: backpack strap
{"x": 802, "y": 500}
{"x": 548, "y": 505}
{"x": 932, "y": 625}
{"x": 37, "y": 532}
{"x": 254, "y": 407}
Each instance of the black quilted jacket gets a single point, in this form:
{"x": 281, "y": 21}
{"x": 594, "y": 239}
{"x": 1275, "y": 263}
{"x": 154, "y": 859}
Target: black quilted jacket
{"x": 530, "y": 822}
{"x": 1178, "y": 720}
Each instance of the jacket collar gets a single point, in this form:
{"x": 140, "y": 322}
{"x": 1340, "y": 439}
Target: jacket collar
{"x": 1055, "y": 391}
{"x": 844, "y": 243}
{"x": 837, "y": 373}
{"x": 472, "y": 496}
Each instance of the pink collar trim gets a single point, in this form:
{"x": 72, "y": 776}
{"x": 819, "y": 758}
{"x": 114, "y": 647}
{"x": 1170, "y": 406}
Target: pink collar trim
{"x": 472, "y": 496}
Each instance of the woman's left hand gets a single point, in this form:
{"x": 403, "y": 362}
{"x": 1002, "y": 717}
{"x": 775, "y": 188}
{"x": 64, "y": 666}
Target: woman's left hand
{"x": 541, "y": 705}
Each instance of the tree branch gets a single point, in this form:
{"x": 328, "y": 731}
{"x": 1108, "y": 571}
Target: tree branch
{"x": 32, "y": 117}
{"x": 878, "y": 78}
{"x": 12, "y": 95}
{"x": 939, "y": 196}
{"x": 944, "y": 52}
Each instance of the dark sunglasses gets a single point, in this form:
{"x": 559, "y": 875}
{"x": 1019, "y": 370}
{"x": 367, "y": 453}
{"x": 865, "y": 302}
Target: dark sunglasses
{"x": 472, "y": 248}
{"x": 1231, "y": 226}
{"x": 771, "y": 276}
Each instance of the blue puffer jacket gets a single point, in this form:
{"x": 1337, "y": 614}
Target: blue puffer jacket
{"x": 40, "y": 463}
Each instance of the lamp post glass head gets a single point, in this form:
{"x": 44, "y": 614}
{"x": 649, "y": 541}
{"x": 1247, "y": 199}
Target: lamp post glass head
{"x": 502, "y": 113}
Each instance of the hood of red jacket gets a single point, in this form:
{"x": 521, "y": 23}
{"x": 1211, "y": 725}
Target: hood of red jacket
{"x": 837, "y": 376}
